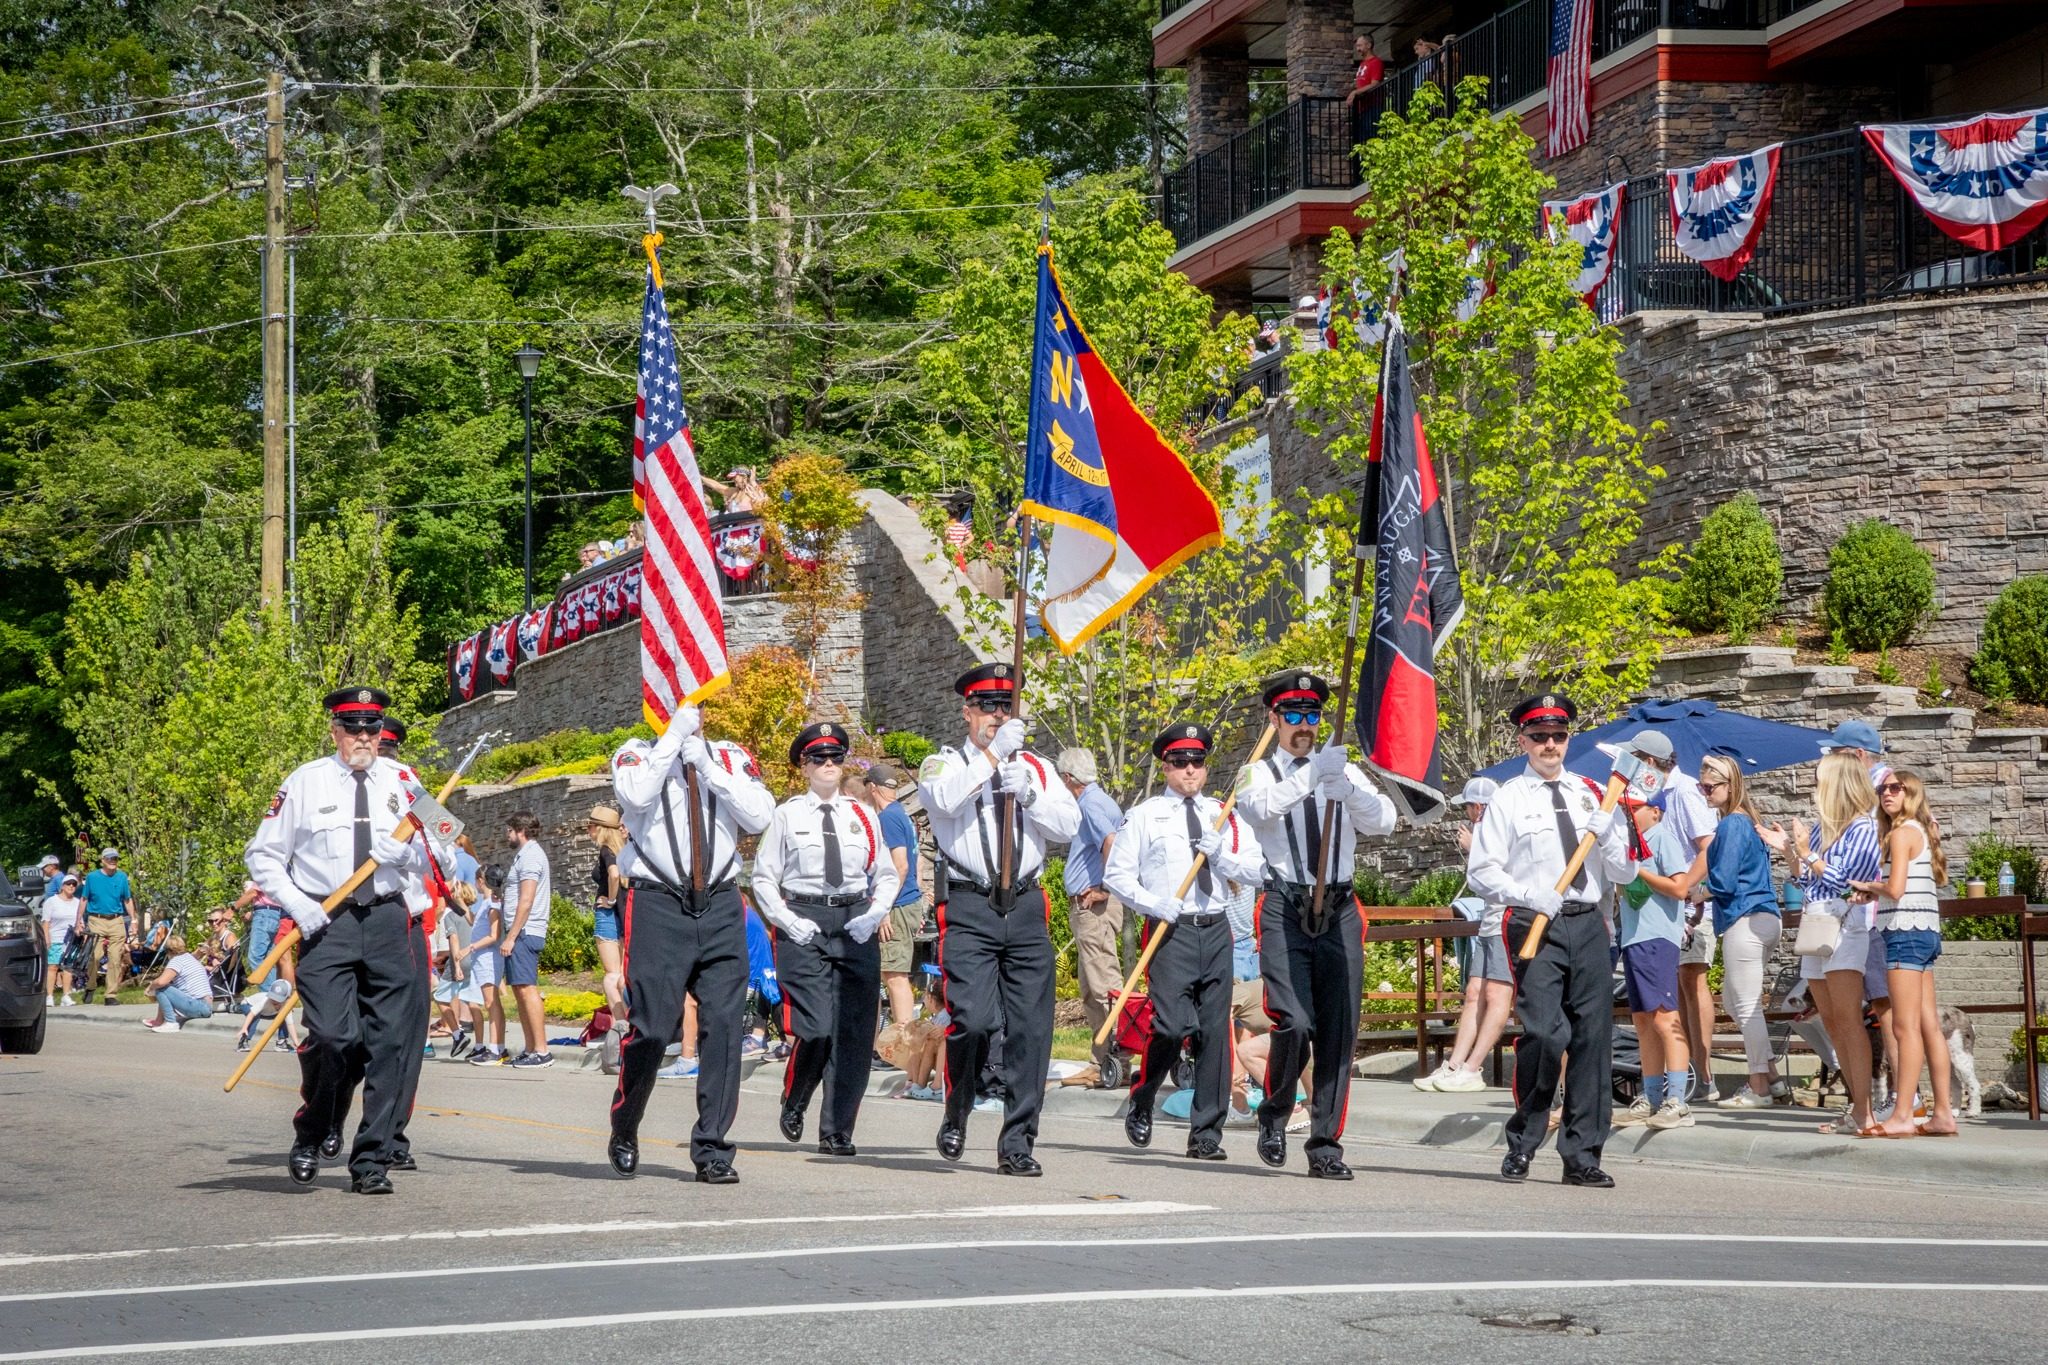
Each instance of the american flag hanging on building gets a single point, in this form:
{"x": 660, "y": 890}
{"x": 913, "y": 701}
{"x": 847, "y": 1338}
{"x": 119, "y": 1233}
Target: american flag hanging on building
{"x": 1569, "y": 78}
{"x": 682, "y": 631}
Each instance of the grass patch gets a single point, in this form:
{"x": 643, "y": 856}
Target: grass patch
{"x": 1073, "y": 1044}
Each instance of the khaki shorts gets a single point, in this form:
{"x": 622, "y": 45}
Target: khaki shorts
{"x": 1699, "y": 951}
{"x": 1248, "y": 1007}
{"x": 900, "y": 951}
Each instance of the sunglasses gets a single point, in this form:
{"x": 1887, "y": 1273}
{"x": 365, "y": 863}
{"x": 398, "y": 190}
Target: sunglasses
{"x": 1545, "y": 736}
{"x": 373, "y": 727}
{"x": 1891, "y": 789}
{"x": 1302, "y": 717}
{"x": 1185, "y": 761}
{"x": 1712, "y": 786}
{"x": 824, "y": 756}
{"x": 993, "y": 705}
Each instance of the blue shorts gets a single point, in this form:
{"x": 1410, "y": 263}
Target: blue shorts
{"x": 522, "y": 964}
{"x": 59, "y": 941}
{"x": 1651, "y": 971}
{"x": 1911, "y": 950}
{"x": 607, "y": 924}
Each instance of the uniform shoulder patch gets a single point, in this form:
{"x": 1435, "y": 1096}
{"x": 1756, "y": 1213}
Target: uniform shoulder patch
{"x": 276, "y": 804}
{"x": 933, "y": 768}
{"x": 627, "y": 758}
{"x": 1245, "y": 777}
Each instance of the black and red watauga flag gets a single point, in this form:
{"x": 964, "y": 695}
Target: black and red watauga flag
{"x": 1416, "y": 598}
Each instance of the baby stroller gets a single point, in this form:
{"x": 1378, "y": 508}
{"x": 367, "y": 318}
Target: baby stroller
{"x": 1128, "y": 1041}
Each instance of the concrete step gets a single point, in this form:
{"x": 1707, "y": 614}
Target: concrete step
{"x": 1862, "y": 699}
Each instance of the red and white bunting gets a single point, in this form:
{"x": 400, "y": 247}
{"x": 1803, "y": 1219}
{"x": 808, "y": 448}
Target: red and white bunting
{"x": 1718, "y": 209}
{"x": 1594, "y": 222}
{"x": 1984, "y": 181}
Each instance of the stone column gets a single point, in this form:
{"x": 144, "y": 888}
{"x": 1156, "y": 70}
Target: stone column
{"x": 1304, "y": 269}
{"x": 1219, "y": 97}
{"x": 1318, "y": 48}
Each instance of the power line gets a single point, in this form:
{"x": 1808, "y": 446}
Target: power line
{"x": 134, "y": 118}
{"x": 129, "y": 103}
{"x": 55, "y": 356}
{"x": 633, "y": 324}
{"x": 400, "y": 86}
{"x": 510, "y": 499}
{"x": 118, "y": 142}
{"x": 131, "y": 256}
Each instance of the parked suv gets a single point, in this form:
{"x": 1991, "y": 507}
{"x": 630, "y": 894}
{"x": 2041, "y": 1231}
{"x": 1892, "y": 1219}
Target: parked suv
{"x": 24, "y": 974}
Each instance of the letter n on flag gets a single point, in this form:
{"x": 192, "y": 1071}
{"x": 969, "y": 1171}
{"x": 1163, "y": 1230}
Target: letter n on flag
{"x": 682, "y": 626}
{"x": 1416, "y": 598}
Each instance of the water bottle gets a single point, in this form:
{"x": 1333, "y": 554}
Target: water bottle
{"x": 1795, "y": 896}
{"x": 2005, "y": 879}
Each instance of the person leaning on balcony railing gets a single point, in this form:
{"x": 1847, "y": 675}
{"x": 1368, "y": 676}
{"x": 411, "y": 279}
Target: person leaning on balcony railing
{"x": 1371, "y": 70}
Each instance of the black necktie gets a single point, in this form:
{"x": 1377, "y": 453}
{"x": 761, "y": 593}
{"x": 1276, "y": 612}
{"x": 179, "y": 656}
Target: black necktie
{"x": 1567, "y": 836}
{"x": 365, "y": 893}
{"x": 1315, "y": 834}
{"x": 1202, "y": 878}
{"x": 835, "y": 872}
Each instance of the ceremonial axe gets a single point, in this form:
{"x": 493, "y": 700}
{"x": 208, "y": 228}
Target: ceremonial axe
{"x": 1636, "y": 777}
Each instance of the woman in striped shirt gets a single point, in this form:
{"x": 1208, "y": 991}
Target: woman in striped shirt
{"x": 1909, "y": 918}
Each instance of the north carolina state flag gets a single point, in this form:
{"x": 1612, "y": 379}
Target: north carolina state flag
{"x": 1416, "y": 599}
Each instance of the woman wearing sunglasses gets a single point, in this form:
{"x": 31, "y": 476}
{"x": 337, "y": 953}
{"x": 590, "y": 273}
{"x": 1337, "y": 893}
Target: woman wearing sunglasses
{"x": 1909, "y": 922}
{"x": 824, "y": 880}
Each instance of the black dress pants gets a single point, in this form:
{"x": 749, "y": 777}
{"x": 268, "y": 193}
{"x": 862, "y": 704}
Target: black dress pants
{"x": 1190, "y": 981}
{"x": 1313, "y": 991}
{"x": 999, "y": 975}
{"x": 831, "y": 1002}
{"x": 1565, "y": 1000}
{"x": 362, "y": 979}
{"x": 669, "y": 953}
{"x": 422, "y": 1010}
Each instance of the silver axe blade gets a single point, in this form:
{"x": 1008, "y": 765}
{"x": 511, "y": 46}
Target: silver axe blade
{"x": 436, "y": 819}
{"x": 1644, "y": 779}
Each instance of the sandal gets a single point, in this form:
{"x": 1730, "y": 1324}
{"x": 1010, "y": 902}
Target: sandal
{"x": 1875, "y": 1130}
{"x": 1841, "y": 1123}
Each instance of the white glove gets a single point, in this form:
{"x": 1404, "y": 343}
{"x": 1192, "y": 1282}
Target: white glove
{"x": 389, "y": 852}
{"x": 693, "y": 751}
{"x": 686, "y": 722}
{"x": 310, "y": 918}
{"x": 861, "y": 928}
{"x": 1016, "y": 779}
{"x": 1328, "y": 762}
{"x": 800, "y": 930}
{"x": 1009, "y": 740}
{"x": 1210, "y": 844}
{"x": 1166, "y": 912}
{"x": 1336, "y": 788}
{"x": 1600, "y": 822}
{"x": 1543, "y": 900}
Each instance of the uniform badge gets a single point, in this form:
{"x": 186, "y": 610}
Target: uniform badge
{"x": 393, "y": 803}
{"x": 276, "y": 804}
{"x": 1188, "y": 733}
{"x": 932, "y": 768}
{"x": 628, "y": 758}
{"x": 363, "y": 695}
{"x": 1244, "y": 779}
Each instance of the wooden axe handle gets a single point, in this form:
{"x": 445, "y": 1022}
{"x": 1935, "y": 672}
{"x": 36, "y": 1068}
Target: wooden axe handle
{"x": 1616, "y": 785}
{"x": 263, "y": 1041}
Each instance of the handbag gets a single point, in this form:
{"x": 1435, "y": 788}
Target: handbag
{"x": 77, "y": 953}
{"x": 1820, "y": 933}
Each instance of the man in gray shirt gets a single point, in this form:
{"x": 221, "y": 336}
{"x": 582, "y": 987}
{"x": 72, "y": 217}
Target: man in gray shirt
{"x": 529, "y": 889}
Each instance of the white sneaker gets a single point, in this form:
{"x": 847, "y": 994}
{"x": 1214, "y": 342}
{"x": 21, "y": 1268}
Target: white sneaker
{"x": 1745, "y": 1098}
{"x": 1674, "y": 1114}
{"x": 161, "y": 1025}
{"x": 1461, "y": 1082}
{"x": 1430, "y": 1081}
{"x": 69, "y": 1003}
{"x": 50, "y": 1003}
{"x": 1635, "y": 1115}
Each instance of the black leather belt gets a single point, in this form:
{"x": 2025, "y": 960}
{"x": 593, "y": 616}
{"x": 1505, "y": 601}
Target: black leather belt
{"x": 1022, "y": 886}
{"x": 1302, "y": 890}
{"x": 1204, "y": 920}
{"x": 830, "y": 902}
{"x": 694, "y": 907}
{"x": 1567, "y": 910}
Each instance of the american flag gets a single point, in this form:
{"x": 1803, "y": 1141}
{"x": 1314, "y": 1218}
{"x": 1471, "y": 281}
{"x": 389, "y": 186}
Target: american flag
{"x": 1570, "y": 74}
{"x": 682, "y": 632}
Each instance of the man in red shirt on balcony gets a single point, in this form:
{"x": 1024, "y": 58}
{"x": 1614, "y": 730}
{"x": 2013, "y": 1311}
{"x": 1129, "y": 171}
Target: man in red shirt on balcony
{"x": 1371, "y": 70}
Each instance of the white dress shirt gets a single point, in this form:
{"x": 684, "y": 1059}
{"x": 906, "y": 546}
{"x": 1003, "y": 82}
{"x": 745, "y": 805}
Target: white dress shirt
{"x": 791, "y": 859}
{"x": 1152, "y": 853}
{"x": 1517, "y": 851}
{"x": 1277, "y": 798}
{"x": 305, "y": 847}
{"x": 959, "y": 788}
{"x": 729, "y": 787}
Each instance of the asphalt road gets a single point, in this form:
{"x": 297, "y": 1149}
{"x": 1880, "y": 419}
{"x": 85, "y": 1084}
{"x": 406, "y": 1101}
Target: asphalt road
{"x": 515, "y": 1239}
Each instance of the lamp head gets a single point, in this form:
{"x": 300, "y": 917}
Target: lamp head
{"x": 528, "y": 359}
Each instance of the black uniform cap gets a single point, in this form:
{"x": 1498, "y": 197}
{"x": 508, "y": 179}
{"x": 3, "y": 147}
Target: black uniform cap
{"x": 1295, "y": 684}
{"x": 394, "y": 731}
{"x": 1183, "y": 738}
{"x": 819, "y": 740}
{"x": 986, "y": 680}
{"x": 1545, "y": 708}
{"x": 357, "y": 708}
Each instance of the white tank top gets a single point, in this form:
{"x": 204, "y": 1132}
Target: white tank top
{"x": 1920, "y": 907}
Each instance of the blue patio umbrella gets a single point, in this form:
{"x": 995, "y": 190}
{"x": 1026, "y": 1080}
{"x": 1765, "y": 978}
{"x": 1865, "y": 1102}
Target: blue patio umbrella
{"x": 1696, "y": 729}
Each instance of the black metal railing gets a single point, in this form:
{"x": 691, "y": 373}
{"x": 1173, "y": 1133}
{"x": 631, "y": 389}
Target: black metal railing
{"x": 1311, "y": 144}
{"x": 1842, "y": 233}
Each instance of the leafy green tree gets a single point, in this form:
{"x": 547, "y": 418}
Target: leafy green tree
{"x": 1544, "y": 476}
{"x": 1880, "y": 586}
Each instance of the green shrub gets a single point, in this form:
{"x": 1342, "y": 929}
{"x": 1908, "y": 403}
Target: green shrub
{"x": 1880, "y": 586}
{"x": 1374, "y": 887}
{"x": 908, "y": 748}
{"x": 555, "y": 751}
{"x": 1735, "y": 576}
{"x": 1986, "y": 853}
{"x": 1438, "y": 888}
{"x": 2012, "y": 660}
{"x": 2016, "y": 1047}
{"x": 570, "y": 1004}
{"x": 572, "y": 939}
{"x": 1066, "y": 961}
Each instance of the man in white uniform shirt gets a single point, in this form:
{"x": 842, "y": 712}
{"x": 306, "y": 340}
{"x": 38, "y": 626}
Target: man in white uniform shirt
{"x": 362, "y": 974}
{"x": 994, "y": 944}
{"x": 824, "y": 879}
{"x": 678, "y": 938}
{"x": 1190, "y": 978}
{"x": 1565, "y": 995}
{"x": 1312, "y": 957}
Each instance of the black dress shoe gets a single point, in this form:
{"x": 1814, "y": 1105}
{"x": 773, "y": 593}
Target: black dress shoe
{"x": 1138, "y": 1126}
{"x": 371, "y": 1182}
{"x": 330, "y": 1146}
{"x": 836, "y": 1144}
{"x": 1514, "y": 1166}
{"x": 1019, "y": 1165}
{"x": 304, "y": 1164}
{"x": 1324, "y": 1167}
{"x": 625, "y": 1156}
{"x": 402, "y": 1162}
{"x": 717, "y": 1173}
{"x": 1592, "y": 1177}
{"x": 952, "y": 1141}
{"x": 791, "y": 1123}
{"x": 1273, "y": 1142}
{"x": 1206, "y": 1149}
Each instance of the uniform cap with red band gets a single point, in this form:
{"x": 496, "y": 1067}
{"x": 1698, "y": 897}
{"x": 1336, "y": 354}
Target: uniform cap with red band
{"x": 357, "y": 708}
{"x": 1183, "y": 738}
{"x": 823, "y": 740}
{"x": 1296, "y": 686}
{"x": 393, "y": 733}
{"x": 986, "y": 680}
{"x": 1545, "y": 708}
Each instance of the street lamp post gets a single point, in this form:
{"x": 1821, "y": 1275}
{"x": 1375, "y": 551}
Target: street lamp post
{"x": 529, "y": 358}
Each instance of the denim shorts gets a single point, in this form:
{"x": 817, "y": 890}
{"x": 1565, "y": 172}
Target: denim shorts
{"x": 607, "y": 924}
{"x": 59, "y": 941}
{"x": 1650, "y": 969}
{"x": 522, "y": 964}
{"x": 1911, "y": 950}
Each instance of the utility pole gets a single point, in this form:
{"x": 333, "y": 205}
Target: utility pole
{"x": 273, "y": 344}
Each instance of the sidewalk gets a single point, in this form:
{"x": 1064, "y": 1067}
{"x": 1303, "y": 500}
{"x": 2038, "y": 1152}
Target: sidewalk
{"x": 1995, "y": 1148}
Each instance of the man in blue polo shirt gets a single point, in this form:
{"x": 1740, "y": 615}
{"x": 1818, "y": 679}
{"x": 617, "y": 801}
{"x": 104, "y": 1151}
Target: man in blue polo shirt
{"x": 1095, "y": 917}
{"x": 880, "y": 788}
{"x": 110, "y": 920}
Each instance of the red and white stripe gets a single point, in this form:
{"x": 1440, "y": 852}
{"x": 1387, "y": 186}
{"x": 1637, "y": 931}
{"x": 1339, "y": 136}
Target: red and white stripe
{"x": 1569, "y": 75}
{"x": 682, "y": 629}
